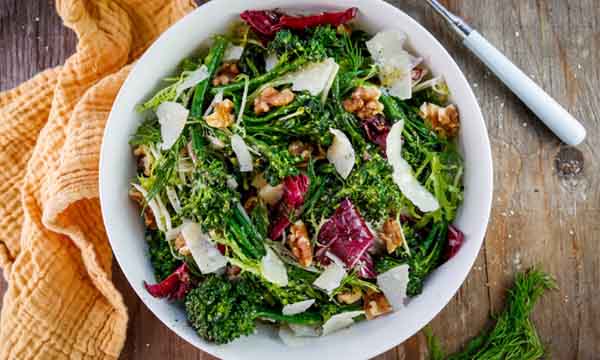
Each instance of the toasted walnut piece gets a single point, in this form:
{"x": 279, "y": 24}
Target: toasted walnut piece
{"x": 300, "y": 243}
{"x": 371, "y": 108}
{"x": 226, "y": 74}
{"x": 392, "y": 235}
{"x": 375, "y": 304}
{"x": 142, "y": 156}
{"x": 443, "y": 121}
{"x": 364, "y": 102}
{"x": 271, "y": 97}
{"x": 250, "y": 204}
{"x": 180, "y": 246}
{"x": 149, "y": 220}
{"x": 298, "y": 148}
{"x": 222, "y": 116}
{"x": 350, "y": 297}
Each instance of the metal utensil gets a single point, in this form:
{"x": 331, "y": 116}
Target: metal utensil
{"x": 565, "y": 126}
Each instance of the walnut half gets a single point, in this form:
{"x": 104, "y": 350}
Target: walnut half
{"x": 375, "y": 304}
{"x": 364, "y": 102}
{"x": 226, "y": 74}
{"x": 180, "y": 246}
{"x": 350, "y": 297}
{"x": 443, "y": 121}
{"x": 271, "y": 97}
{"x": 149, "y": 220}
{"x": 299, "y": 242}
{"x": 392, "y": 235}
{"x": 142, "y": 155}
{"x": 222, "y": 116}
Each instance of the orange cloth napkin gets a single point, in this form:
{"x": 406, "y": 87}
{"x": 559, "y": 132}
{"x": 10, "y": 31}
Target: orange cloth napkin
{"x": 54, "y": 252}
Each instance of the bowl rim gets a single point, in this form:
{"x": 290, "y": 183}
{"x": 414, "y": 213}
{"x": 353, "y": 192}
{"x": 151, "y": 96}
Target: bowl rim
{"x": 176, "y": 28}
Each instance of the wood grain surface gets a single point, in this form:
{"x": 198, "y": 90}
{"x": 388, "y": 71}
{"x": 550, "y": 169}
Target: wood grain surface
{"x": 546, "y": 199}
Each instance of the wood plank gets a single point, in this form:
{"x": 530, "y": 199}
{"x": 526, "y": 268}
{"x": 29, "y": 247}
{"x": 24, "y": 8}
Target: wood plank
{"x": 545, "y": 210}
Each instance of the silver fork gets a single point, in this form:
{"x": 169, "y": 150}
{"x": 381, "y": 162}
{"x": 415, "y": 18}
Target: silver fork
{"x": 565, "y": 126}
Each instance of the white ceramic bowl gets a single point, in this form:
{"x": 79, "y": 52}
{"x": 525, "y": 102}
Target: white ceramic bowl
{"x": 124, "y": 227}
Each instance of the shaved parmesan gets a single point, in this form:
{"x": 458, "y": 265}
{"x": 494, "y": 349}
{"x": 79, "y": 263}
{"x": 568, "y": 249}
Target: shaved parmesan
{"x": 331, "y": 278}
{"x": 156, "y": 212}
{"x": 333, "y": 73}
{"x": 242, "y": 153}
{"x": 341, "y": 154}
{"x": 305, "y": 330}
{"x": 173, "y": 233}
{"x": 172, "y": 117}
{"x": 314, "y": 78}
{"x": 298, "y": 307}
{"x": 206, "y": 255}
{"x": 290, "y": 339}
{"x": 393, "y": 283}
{"x": 165, "y": 216}
{"x": 273, "y": 269}
{"x": 217, "y": 99}
{"x": 271, "y": 194}
{"x": 233, "y": 52}
{"x": 174, "y": 199}
{"x": 270, "y": 61}
{"x": 403, "y": 175}
{"x": 192, "y": 79}
{"x": 395, "y": 64}
{"x": 340, "y": 321}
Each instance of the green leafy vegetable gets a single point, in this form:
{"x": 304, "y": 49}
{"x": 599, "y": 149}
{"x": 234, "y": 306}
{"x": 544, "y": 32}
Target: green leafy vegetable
{"x": 213, "y": 60}
{"x": 161, "y": 256}
{"x": 222, "y": 311}
{"x": 514, "y": 335}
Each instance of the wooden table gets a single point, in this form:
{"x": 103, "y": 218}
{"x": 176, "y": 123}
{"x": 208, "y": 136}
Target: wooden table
{"x": 546, "y": 201}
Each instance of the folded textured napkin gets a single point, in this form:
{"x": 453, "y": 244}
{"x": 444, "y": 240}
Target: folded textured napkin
{"x": 54, "y": 252}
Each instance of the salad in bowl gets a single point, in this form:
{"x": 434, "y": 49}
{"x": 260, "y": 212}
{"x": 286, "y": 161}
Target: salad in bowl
{"x": 301, "y": 172}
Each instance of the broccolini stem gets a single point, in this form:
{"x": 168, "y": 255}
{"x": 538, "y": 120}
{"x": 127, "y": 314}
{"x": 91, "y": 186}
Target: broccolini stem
{"x": 305, "y": 318}
{"x": 214, "y": 59}
{"x": 259, "y": 80}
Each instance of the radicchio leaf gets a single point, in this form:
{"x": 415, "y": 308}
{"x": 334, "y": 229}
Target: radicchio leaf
{"x": 175, "y": 286}
{"x": 377, "y": 129}
{"x": 264, "y": 22}
{"x": 294, "y": 190}
{"x": 268, "y": 22}
{"x": 366, "y": 266}
{"x": 455, "y": 240}
{"x": 345, "y": 235}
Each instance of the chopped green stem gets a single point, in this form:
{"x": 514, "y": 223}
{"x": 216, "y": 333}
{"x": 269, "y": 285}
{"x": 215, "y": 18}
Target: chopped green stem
{"x": 257, "y": 81}
{"x": 305, "y": 318}
{"x": 214, "y": 59}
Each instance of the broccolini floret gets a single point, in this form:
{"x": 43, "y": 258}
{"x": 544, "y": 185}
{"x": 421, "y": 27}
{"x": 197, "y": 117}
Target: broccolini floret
{"x": 222, "y": 311}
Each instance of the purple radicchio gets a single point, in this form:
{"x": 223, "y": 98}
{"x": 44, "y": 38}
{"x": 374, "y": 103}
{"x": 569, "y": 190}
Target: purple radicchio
{"x": 455, "y": 240}
{"x": 268, "y": 22}
{"x": 294, "y": 191}
{"x": 347, "y": 236}
{"x": 377, "y": 129}
{"x": 175, "y": 286}
{"x": 366, "y": 266}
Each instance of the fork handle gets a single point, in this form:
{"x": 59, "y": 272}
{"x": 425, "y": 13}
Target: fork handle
{"x": 565, "y": 126}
